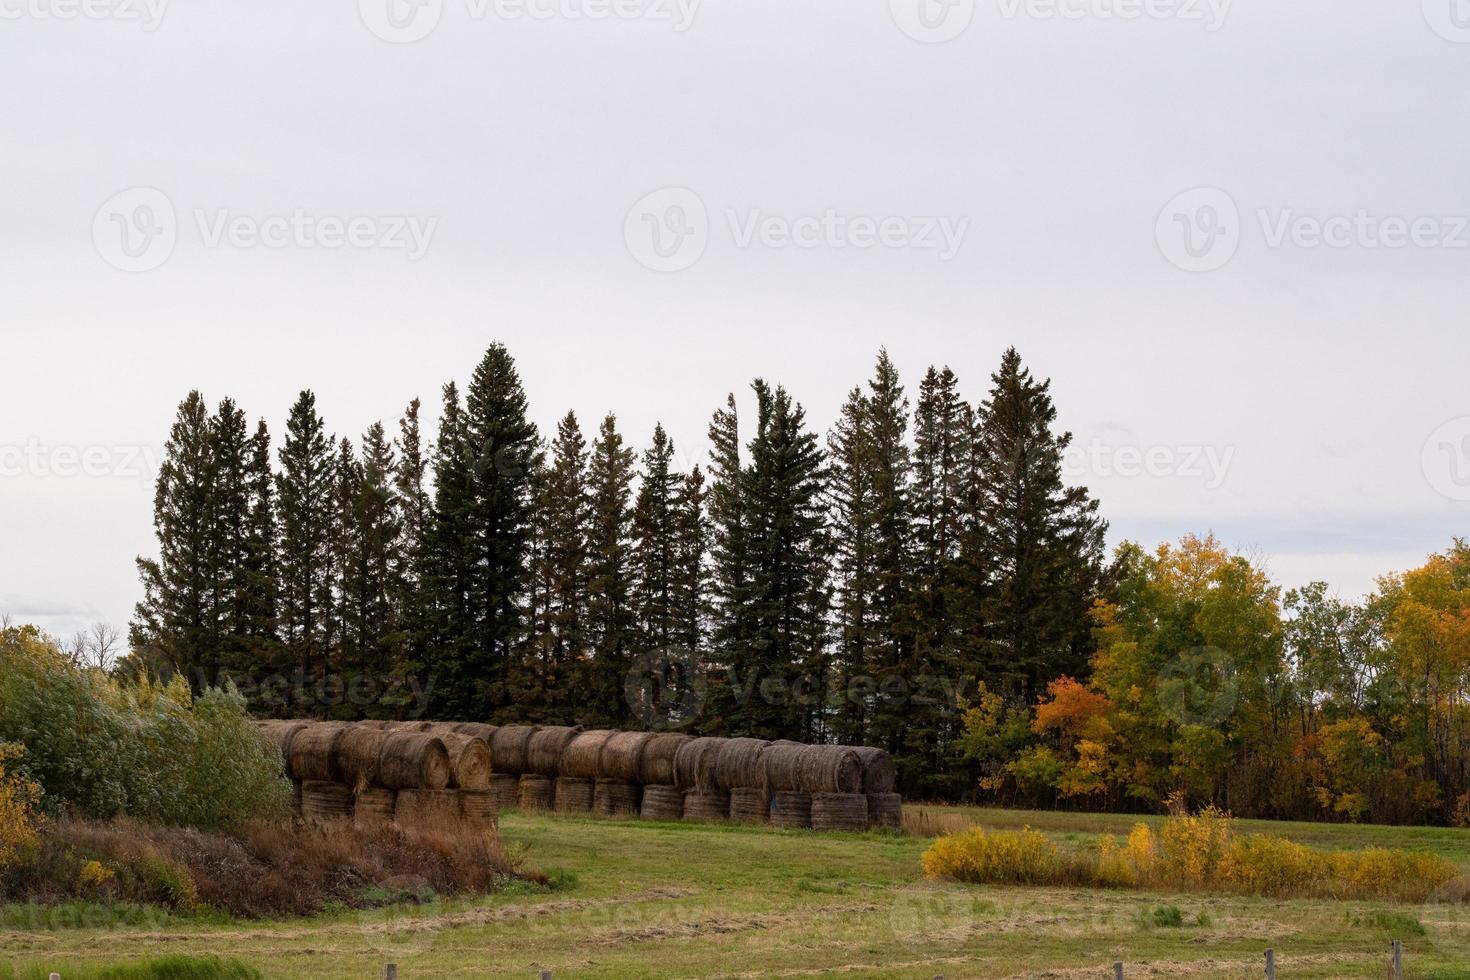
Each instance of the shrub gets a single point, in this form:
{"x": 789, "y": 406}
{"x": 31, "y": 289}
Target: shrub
{"x": 1007, "y": 857}
{"x": 19, "y": 840}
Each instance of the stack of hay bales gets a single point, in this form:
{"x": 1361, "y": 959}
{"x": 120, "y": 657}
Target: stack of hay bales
{"x": 423, "y": 773}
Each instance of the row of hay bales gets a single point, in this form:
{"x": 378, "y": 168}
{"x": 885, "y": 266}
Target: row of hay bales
{"x": 658, "y": 776}
{"x": 419, "y": 775}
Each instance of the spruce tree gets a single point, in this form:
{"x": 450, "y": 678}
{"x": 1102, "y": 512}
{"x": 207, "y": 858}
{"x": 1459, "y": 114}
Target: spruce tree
{"x": 306, "y": 513}
{"x": 690, "y": 581}
{"x": 229, "y": 495}
{"x": 850, "y": 491}
{"x": 261, "y": 649}
{"x": 412, "y": 607}
{"x": 371, "y": 576}
{"x": 1035, "y": 545}
{"x": 448, "y": 572}
{"x": 610, "y": 615}
{"x": 656, "y": 551}
{"x": 729, "y": 574}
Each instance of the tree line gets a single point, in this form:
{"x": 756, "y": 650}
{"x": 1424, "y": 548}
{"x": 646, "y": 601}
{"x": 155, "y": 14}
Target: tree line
{"x": 855, "y": 585}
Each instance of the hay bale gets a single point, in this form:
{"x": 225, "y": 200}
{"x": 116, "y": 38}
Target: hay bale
{"x": 508, "y": 748}
{"x": 411, "y": 726}
{"x": 879, "y": 773}
{"x": 314, "y": 752}
{"x": 712, "y": 806}
{"x": 359, "y": 752}
{"x": 583, "y": 754}
{"x": 737, "y": 763}
{"x": 469, "y": 761}
{"x": 615, "y": 798}
{"x": 792, "y": 811}
{"x": 374, "y": 807}
{"x": 413, "y": 760}
{"x": 503, "y": 787}
{"x": 280, "y": 734}
{"x": 662, "y": 803}
{"x": 691, "y": 768}
{"x": 534, "y": 793}
{"x": 573, "y": 795}
{"x": 749, "y": 804}
{"x": 885, "y": 810}
{"x": 424, "y": 810}
{"x": 325, "y": 801}
{"x": 478, "y": 809}
{"x": 622, "y": 757}
{"x": 813, "y": 769}
{"x": 839, "y": 811}
{"x": 544, "y": 752}
{"x": 475, "y": 730}
{"x": 657, "y": 765}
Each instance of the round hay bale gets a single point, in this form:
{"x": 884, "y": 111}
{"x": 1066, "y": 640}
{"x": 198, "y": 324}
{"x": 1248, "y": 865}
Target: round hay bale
{"x": 475, "y": 730}
{"x": 534, "y": 793}
{"x": 424, "y": 810}
{"x": 712, "y": 806}
{"x": 622, "y": 757}
{"x": 378, "y": 723}
{"x": 544, "y": 752}
{"x": 469, "y": 761}
{"x": 314, "y": 752}
{"x": 657, "y": 765}
{"x": 616, "y": 798}
{"x": 374, "y": 807}
{"x": 508, "y": 748}
{"x": 573, "y": 795}
{"x": 325, "y": 801}
{"x": 691, "y": 768}
{"x": 885, "y": 810}
{"x": 879, "y": 773}
{"x": 413, "y": 760}
{"x": 503, "y": 787}
{"x": 792, "y": 811}
{"x": 583, "y": 753}
{"x": 280, "y": 733}
{"x": 750, "y": 805}
{"x": 839, "y": 811}
{"x": 662, "y": 803}
{"x": 358, "y": 753}
{"x": 737, "y": 763}
{"x": 813, "y": 769}
{"x": 412, "y": 726}
{"x": 479, "y": 808}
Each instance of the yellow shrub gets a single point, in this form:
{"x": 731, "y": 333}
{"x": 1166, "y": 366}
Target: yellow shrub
{"x": 1263, "y": 865}
{"x": 1009, "y": 857}
{"x": 1193, "y": 847}
{"x": 1134, "y": 864}
{"x": 19, "y": 840}
{"x": 95, "y": 874}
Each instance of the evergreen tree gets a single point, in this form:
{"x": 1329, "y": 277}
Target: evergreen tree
{"x": 656, "y": 551}
{"x": 448, "y": 571}
{"x": 691, "y": 542}
{"x": 729, "y": 576}
{"x": 1036, "y": 545}
{"x": 610, "y": 615}
{"x": 850, "y": 491}
{"x": 306, "y": 503}
{"x": 412, "y": 608}
{"x": 371, "y": 580}
{"x": 229, "y": 494}
{"x": 261, "y": 649}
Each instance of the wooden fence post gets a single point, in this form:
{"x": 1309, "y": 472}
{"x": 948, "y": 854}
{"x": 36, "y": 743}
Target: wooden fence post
{"x": 1270, "y": 964}
{"x": 545, "y": 975}
{"x": 1398, "y": 960}
{"x": 1117, "y": 971}
{"x": 390, "y": 972}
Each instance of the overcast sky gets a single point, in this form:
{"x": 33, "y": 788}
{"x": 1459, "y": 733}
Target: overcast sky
{"x": 1233, "y": 235}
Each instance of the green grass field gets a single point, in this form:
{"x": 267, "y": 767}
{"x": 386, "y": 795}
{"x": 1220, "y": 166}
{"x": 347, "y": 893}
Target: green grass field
{"x": 696, "y": 901}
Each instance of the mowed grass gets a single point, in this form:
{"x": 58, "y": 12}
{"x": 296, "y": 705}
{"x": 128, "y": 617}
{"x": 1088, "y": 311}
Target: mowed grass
{"x": 696, "y": 901}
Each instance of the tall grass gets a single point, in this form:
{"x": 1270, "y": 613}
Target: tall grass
{"x": 166, "y": 968}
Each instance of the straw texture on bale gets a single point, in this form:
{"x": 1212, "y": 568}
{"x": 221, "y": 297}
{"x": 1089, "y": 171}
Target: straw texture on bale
{"x": 412, "y": 726}
{"x": 478, "y": 808}
{"x": 879, "y": 773}
{"x": 657, "y": 765}
{"x": 374, "y": 807}
{"x": 736, "y": 763}
{"x": 280, "y": 734}
{"x": 616, "y": 798}
{"x": 583, "y": 754}
{"x": 325, "y": 801}
{"x": 469, "y": 761}
{"x": 750, "y": 805}
{"x": 791, "y": 810}
{"x": 534, "y": 793}
{"x": 504, "y": 787}
{"x": 622, "y": 757}
{"x": 358, "y": 753}
{"x": 839, "y": 811}
{"x": 691, "y": 768}
{"x": 885, "y": 809}
{"x": 475, "y": 729}
{"x": 428, "y": 809}
{"x": 813, "y": 769}
{"x": 413, "y": 760}
{"x": 706, "y": 806}
{"x": 662, "y": 803}
{"x": 544, "y": 753}
{"x": 508, "y": 748}
{"x": 314, "y": 752}
{"x": 573, "y": 795}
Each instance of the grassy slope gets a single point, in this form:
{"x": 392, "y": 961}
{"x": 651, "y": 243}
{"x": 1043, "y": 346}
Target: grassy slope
{"x": 699, "y": 901}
